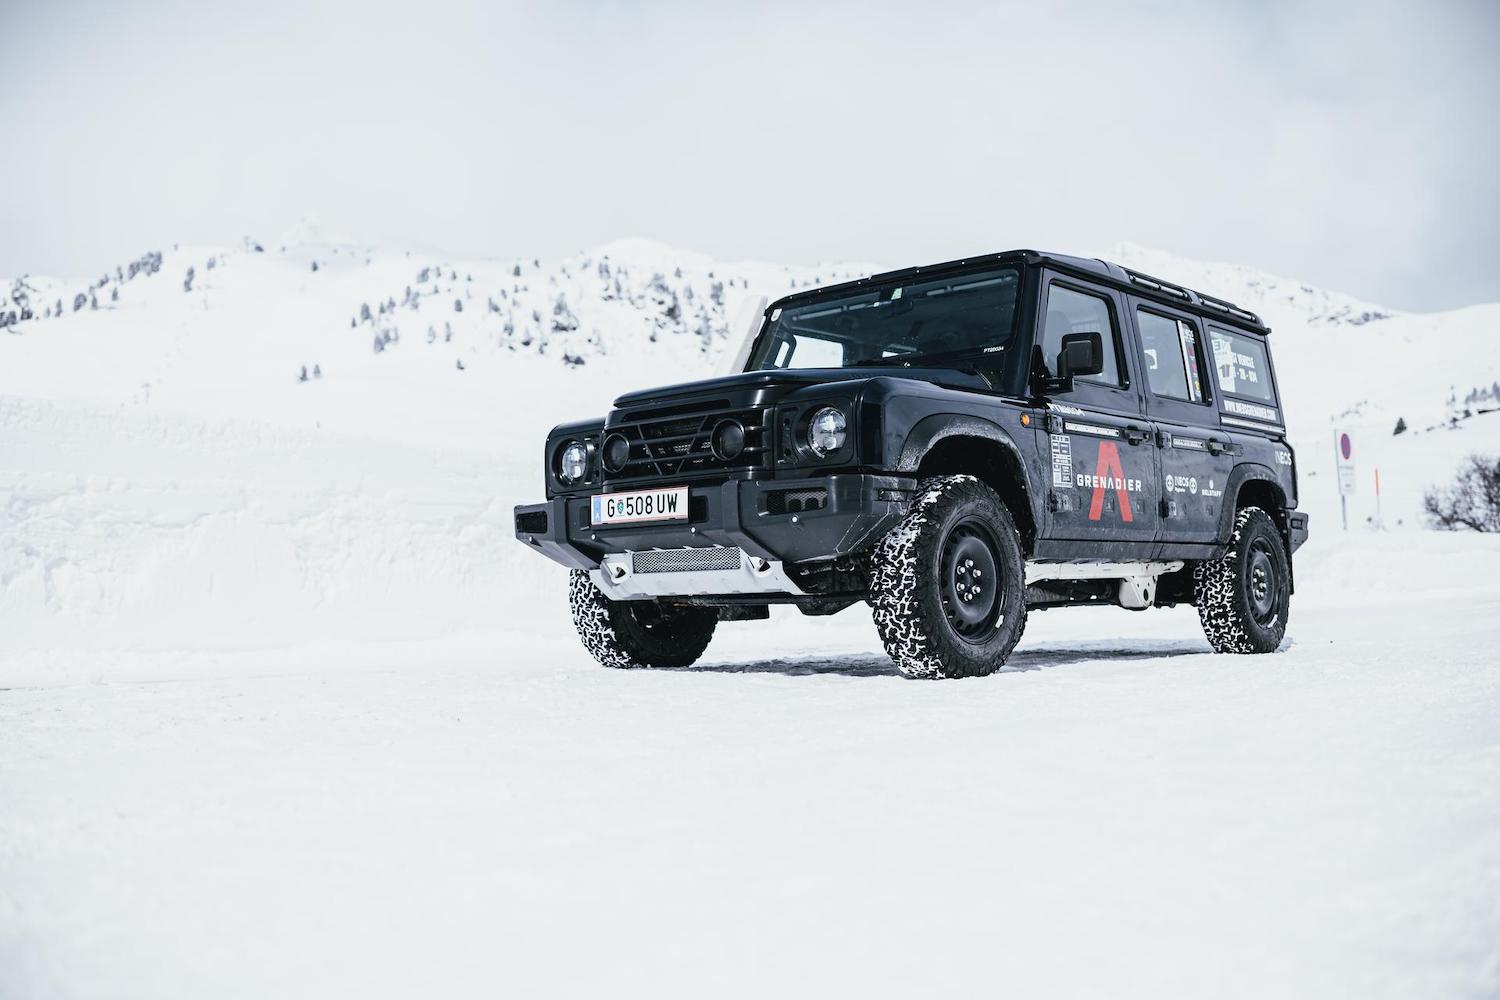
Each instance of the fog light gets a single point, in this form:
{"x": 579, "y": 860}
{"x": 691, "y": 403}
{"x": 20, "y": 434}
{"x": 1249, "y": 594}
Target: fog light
{"x": 616, "y": 452}
{"x": 728, "y": 440}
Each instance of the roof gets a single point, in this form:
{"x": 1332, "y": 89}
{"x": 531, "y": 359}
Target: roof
{"x": 1103, "y": 271}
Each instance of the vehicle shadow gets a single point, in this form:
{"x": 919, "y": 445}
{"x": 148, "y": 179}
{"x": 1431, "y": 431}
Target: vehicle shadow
{"x": 1042, "y": 657}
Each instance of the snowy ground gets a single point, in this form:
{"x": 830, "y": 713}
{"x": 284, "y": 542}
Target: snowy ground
{"x": 290, "y": 714}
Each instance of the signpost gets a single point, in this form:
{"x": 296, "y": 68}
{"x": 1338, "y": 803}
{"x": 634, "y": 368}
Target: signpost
{"x": 1343, "y": 454}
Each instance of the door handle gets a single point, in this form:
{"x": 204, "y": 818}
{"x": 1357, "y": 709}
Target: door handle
{"x": 1135, "y": 435}
{"x": 1217, "y": 447}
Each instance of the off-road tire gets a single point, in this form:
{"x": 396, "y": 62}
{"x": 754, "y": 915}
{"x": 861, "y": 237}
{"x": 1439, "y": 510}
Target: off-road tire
{"x": 628, "y": 634}
{"x": 911, "y": 587}
{"x": 1237, "y": 615}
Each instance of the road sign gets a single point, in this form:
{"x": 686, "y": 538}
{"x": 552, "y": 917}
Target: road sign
{"x": 1343, "y": 456}
{"x": 1343, "y": 451}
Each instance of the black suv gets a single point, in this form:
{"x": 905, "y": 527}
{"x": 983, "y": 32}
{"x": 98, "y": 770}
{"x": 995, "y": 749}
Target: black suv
{"x": 956, "y": 445}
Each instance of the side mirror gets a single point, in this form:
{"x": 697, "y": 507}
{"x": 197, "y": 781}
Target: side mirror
{"x": 1081, "y": 354}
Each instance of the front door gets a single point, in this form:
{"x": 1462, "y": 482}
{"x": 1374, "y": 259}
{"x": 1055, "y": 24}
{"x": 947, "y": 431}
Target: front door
{"x": 1104, "y": 485}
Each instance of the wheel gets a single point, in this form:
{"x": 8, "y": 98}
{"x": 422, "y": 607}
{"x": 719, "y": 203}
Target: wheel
{"x": 1243, "y": 599}
{"x": 948, "y": 583}
{"x": 637, "y": 633}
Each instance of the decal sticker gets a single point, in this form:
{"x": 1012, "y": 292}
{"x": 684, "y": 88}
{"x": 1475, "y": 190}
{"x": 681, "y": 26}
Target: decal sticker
{"x": 1094, "y": 429}
{"x": 1188, "y": 444}
{"x": 1250, "y": 409}
{"x": 1062, "y": 460}
{"x": 1283, "y": 458}
{"x": 1209, "y": 490}
{"x": 1238, "y": 371}
{"x": 1236, "y": 421}
{"x": 1071, "y": 411}
{"x": 1182, "y": 484}
{"x": 1109, "y": 474}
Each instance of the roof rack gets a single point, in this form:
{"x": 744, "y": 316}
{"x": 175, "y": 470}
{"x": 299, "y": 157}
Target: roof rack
{"x": 1157, "y": 285}
{"x": 1230, "y": 308}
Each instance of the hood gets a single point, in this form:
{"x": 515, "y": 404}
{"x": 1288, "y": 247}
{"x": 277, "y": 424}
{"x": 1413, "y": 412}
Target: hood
{"x": 795, "y": 379}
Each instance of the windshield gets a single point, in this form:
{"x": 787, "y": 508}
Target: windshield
{"x": 937, "y": 322}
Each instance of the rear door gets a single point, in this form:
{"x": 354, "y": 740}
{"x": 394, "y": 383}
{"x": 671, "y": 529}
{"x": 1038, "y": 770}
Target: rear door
{"x": 1196, "y": 454}
{"x": 1104, "y": 485}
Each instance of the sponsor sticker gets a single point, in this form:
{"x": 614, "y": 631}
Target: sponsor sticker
{"x": 1094, "y": 429}
{"x": 1109, "y": 475}
{"x": 1062, "y": 460}
{"x": 1250, "y": 409}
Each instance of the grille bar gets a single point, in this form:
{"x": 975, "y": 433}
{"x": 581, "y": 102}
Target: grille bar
{"x": 684, "y": 560}
{"x": 680, "y": 444}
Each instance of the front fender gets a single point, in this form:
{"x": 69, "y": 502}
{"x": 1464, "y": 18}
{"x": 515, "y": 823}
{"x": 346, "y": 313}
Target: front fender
{"x": 930, "y": 430}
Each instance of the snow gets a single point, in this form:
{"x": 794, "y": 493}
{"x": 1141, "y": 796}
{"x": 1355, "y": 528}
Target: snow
{"x": 285, "y": 710}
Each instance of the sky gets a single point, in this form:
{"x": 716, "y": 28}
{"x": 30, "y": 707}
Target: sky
{"x": 1349, "y": 144}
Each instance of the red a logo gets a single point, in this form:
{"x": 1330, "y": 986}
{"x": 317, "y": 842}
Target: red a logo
{"x": 1109, "y": 467}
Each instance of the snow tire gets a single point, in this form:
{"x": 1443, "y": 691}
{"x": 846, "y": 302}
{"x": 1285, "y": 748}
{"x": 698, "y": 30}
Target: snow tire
{"x": 1243, "y": 599}
{"x": 922, "y": 582}
{"x": 628, "y": 634}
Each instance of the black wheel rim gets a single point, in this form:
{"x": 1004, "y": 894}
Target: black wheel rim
{"x": 969, "y": 581}
{"x": 1262, "y": 582}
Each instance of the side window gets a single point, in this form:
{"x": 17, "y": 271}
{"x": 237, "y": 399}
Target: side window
{"x": 1240, "y": 364}
{"x": 1173, "y": 368}
{"x": 1079, "y": 312}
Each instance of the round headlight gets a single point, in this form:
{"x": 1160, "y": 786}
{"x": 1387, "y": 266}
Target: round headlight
{"x": 616, "y": 452}
{"x": 728, "y": 441}
{"x": 573, "y": 465}
{"x": 827, "y": 431}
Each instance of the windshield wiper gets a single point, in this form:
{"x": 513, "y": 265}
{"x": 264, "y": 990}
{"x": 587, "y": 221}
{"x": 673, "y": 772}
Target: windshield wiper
{"x": 942, "y": 360}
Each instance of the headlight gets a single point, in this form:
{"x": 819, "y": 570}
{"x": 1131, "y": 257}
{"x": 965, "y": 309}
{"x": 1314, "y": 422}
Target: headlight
{"x": 573, "y": 464}
{"x": 827, "y": 431}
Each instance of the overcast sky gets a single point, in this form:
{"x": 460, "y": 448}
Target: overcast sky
{"x": 1353, "y": 145}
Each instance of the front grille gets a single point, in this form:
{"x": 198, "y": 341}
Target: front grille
{"x": 673, "y": 444}
{"x": 685, "y": 560}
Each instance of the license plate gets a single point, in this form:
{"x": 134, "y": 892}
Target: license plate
{"x": 670, "y": 504}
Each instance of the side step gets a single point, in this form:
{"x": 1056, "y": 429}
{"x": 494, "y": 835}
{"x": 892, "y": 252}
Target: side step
{"x": 1137, "y": 579}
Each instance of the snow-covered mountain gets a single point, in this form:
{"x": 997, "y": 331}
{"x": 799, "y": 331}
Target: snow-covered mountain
{"x": 314, "y": 331}
{"x": 236, "y": 329}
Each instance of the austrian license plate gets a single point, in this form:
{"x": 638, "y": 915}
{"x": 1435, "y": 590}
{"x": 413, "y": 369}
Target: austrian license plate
{"x": 670, "y": 504}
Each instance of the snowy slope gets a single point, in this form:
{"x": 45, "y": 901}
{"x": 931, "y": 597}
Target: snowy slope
{"x": 319, "y": 335}
{"x": 284, "y": 710}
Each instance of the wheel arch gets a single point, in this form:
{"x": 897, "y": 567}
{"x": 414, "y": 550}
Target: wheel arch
{"x": 1252, "y": 485}
{"x": 957, "y": 444}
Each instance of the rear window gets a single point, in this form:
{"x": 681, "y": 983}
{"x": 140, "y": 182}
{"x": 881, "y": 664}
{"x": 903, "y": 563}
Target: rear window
{"x": 1240, "y": 365}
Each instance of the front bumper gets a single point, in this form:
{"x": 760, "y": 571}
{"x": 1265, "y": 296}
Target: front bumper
{"x": 748, "y": 514}
{"x": 1296, "y": 528}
